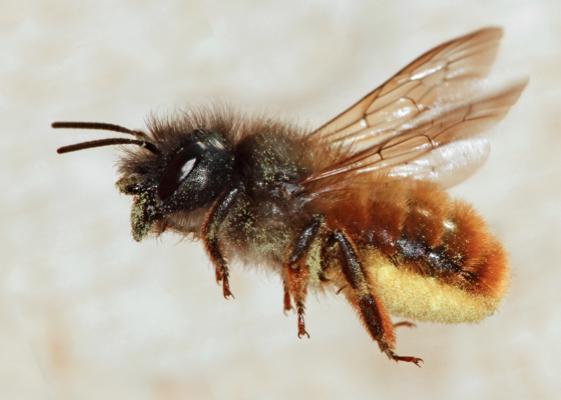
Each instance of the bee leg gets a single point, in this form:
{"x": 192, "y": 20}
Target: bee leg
{"x": 297, "y": 272}
{"x": 407, "y": 324}
{"x": 301, "y": 324}
{"x": 371, "y": 311}
{"x": 298, "y": 286}
{"x": 392, "y": 356}
{"x": 210, "y": 234}
{"x": 338, "y": 292}
{"x": 287, "y": 302}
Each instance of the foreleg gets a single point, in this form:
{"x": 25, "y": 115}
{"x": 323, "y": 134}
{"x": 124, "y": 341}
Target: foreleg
{"x": 210, "y": 234}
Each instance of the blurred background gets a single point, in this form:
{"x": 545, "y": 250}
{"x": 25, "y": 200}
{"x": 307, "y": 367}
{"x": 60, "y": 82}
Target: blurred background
{"x": 87, "y": 313}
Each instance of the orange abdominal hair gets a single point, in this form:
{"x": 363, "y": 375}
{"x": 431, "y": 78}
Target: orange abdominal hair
{"x": 426, "y": 257}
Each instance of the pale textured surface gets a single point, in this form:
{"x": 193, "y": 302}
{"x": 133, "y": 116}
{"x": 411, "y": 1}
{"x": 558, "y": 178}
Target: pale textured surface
{"x": 86, "y": 313}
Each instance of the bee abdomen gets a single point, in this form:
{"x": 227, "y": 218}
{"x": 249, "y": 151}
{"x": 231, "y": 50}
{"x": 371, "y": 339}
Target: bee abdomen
{"x": 424, "y": 231}
{"x": 444, "y": 266}
{"x": 452, "y": 245}
{"x": 435, "y": 261}
{"x": 416, "y": 227}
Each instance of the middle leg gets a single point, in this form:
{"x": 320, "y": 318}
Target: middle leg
{"x": 296, "y": 273}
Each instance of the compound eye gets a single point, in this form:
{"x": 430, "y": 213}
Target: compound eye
{"x": 178, "y": 168}
{"x": 186, "y": 168}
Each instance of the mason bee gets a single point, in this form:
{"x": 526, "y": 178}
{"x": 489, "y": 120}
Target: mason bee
{"x": 357, "y": 205}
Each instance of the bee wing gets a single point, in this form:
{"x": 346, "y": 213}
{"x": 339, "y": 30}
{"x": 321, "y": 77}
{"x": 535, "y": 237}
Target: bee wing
{"x": 439, "y": 144}
{"x": 420, "y": 110}
{"x": 437, "y": 72}
{"x": 447, "y": 165}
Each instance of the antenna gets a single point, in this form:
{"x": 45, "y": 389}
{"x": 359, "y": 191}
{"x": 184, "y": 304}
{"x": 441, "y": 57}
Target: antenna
{"x": 144, "y": 142}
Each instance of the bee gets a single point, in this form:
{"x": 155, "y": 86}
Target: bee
{"x": 357, "y": 205}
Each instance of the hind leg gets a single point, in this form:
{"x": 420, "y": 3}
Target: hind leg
{"x": 359, "y": 294}
{"x": 407, "y": 324}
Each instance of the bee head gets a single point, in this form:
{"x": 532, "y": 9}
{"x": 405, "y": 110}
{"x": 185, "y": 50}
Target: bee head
{"x": 169, "y": 172}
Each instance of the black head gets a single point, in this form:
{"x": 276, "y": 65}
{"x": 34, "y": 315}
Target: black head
{"x": 167, "y": 174}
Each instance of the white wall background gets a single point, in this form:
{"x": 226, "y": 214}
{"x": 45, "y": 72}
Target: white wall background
{"x": 86, "y": 313}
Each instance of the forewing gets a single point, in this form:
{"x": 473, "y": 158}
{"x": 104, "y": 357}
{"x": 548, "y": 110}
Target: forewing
{"x": 435, "y": 75}
{"x": 435, "y": 145}
{"x": 419, "y": 110}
